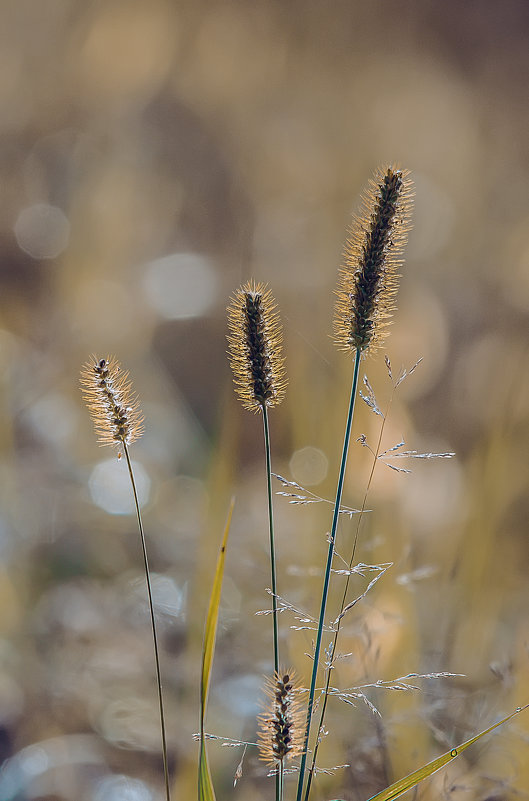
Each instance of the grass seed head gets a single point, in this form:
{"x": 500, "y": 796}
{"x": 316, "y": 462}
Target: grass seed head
{"x": 281, "y": 726}
{"x": 255, "y": 352}
{"x": 113, "y": 406}
{"x": 368, "y": 279}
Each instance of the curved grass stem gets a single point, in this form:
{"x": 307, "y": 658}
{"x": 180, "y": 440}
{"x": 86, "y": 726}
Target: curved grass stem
{"x": 153, "y": 624}
{"x": 344, "y": 599}
{"x": 327, "y": 576}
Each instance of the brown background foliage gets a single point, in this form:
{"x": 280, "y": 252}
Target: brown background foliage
{"x": 153, "y": 156}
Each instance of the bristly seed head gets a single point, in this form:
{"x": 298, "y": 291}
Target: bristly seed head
{"x": 254, "y": 340}
{"x": 113, "y": 407}
{"x": 368, "y": 279}
{"x": 281, "y": 726}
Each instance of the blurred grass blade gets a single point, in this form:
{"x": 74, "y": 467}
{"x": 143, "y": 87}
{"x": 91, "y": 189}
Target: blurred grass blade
{"x": 400, "y": 787}
{"x": 205, "y": 785}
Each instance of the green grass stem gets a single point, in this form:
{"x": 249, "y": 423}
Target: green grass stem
{"x": 153, "y": 625}
{"x": 279, "y": 774}
{"x": 327, "y": 576}
{"x": 272, "y": 539}
{"x": 344, "y": 599}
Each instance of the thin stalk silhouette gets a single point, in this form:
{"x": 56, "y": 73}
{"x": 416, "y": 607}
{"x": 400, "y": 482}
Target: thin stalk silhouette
{"x": 327, "y": 575}
{"x": 344, "y": 599}
{"x": 280, "y": 773}
{"x": 153, "y": 623}
{"x": 272, "y": 539}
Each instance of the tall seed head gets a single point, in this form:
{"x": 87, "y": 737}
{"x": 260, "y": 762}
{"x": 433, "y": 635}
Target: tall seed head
{"x": 113, "y": 406}
{"x": 368, "y": 279}
{"x": 254, "y": 341}
{"x": 281, "y": 726}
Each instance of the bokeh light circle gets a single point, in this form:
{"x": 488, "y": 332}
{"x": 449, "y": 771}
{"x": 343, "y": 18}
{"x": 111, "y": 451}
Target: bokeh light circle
{"x": 42, "y": 231}
{"x": 110, "y": 487}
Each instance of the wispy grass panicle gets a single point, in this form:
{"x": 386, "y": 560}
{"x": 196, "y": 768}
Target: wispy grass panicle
{"x": 281, "y": 725}
{"x": 369, "y": 276}
{"x": 255, "y": 353}
{"x": 113, "y": 406}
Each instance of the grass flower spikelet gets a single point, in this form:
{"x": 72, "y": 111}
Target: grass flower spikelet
{"x": 281, "y": 725}
{"x": 117, "y": 418}
{"x": 254, "y": 340}
{"x": 113, "y": 406}
{"x": 368, "y": 279}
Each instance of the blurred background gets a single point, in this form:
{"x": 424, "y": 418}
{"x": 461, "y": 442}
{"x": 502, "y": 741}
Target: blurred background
{"x": 153, "y": 156}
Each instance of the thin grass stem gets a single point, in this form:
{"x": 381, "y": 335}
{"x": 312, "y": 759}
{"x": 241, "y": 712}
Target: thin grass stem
{"x": 153, "y": 624}
{"x": 279, "y": 774}
{"x": 344, "y": 599}
{"x": 272, "y": 539}
{"x": 328, "y": 567}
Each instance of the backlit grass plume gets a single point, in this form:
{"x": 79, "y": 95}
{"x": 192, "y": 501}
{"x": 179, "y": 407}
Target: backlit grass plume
{"x": 368, "y": 278}
{"x": 366, "y": 297}
{"x": 255, "y": 347}
{"x": 113, "y": 406}
{"x": 118, "y": 420}
{"x": 258, "y": 366}
{"x": 280, "y": 732}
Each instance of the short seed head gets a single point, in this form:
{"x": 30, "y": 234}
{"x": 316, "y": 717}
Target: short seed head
{"x": 281, "y": 726}
{"x": 113, "y": 407}
{"x": 254, "y": 341}
{"x": 368, "y": 279}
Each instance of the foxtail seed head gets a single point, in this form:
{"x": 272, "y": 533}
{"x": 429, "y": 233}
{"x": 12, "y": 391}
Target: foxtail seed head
{"x": 254, "y": 341}
{"x": 113, "y": 406}
{"x": 281, "y": 726}
{"x": 368, "y": 279}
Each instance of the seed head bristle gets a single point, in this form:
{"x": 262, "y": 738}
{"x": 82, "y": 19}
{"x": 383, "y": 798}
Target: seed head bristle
{"x": 113, "y": 406}
{"x": 254, "y": 341}
{"x": 368, "y": 280}
{"x": 281, "y": 726}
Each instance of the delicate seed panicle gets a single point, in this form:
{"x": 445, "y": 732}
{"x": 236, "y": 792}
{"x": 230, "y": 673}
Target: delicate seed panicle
{"x": 281, "y": 725}
{"x": 368, "y": 279}
{"x": 113, "y": 406}
{"x": 254, "y": 341}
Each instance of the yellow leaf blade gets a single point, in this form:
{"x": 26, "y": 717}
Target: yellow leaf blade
{"x": 206, "y": 791}
{"x": 205, "y": 784}
{"x": 417, "y": 776}
{"x": 408, "y": 782}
